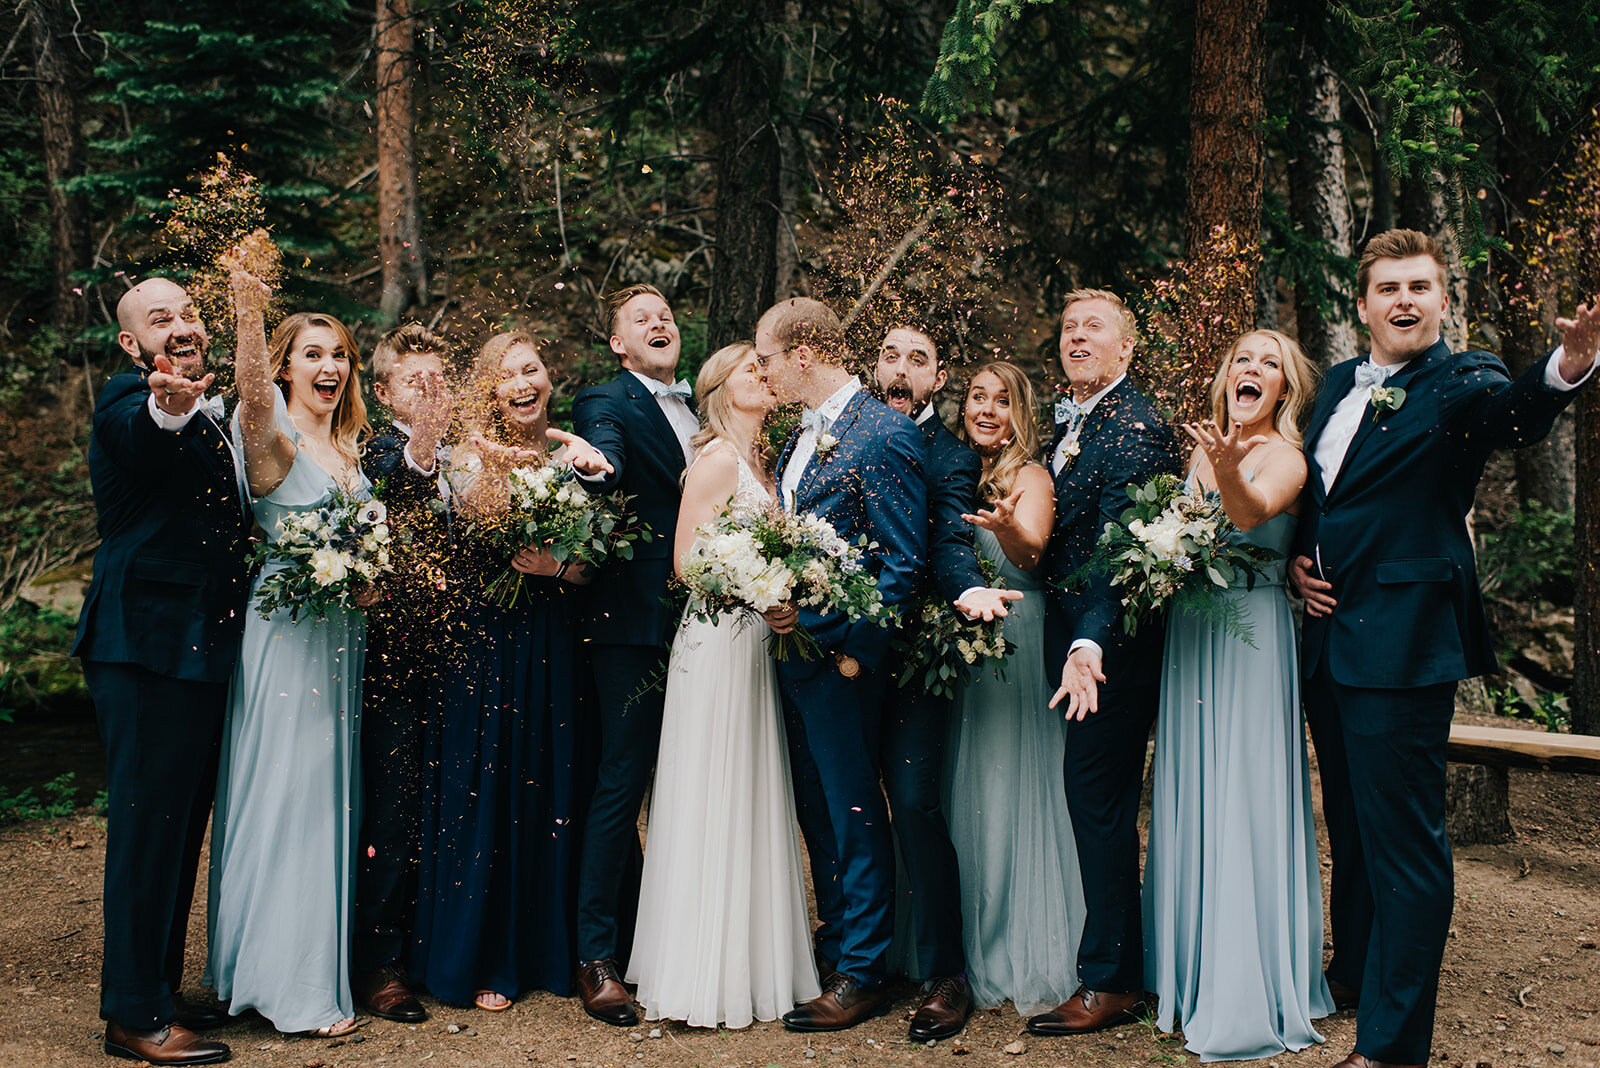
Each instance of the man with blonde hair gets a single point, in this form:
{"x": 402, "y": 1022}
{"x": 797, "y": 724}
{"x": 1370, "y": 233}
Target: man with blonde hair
{"x": 1108, "y": 436}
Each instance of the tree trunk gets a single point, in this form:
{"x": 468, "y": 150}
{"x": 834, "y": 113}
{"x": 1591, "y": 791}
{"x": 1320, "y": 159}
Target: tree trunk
{"x": 1319, "y": 201}
{"x": 742, "y": 274}
{"x": 1225, "y": 151}
{"x": 400, "y": 247}
{"x": 1477, "y": 805}
{"x": 58, "y": 79}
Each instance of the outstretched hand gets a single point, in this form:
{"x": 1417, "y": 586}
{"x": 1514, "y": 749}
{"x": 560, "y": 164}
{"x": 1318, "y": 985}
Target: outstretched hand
{"x": 173, "y": 393}
{"x": 504, "y": 457}
{"x": 1580, "y": 341}
{"x": 250, "y": 294}
{"x": 998, "y": 518}
{"x": 986, "y": 602}
{"x": 1224, "y": 449}
{"x": 1081, "y": 676}
{"x": 584, "y": 458}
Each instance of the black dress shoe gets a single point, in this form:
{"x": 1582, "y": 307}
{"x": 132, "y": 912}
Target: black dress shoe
{"x": 944, "y": 1011}
{"x": 197, "y": 1017}
{"x": 172, "y": 1044}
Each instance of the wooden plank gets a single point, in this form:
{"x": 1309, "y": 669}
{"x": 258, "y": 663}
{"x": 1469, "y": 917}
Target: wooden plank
{"x": 1503, "y": 747}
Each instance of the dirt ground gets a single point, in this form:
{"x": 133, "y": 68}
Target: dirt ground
{"x": 1521, "y": 983}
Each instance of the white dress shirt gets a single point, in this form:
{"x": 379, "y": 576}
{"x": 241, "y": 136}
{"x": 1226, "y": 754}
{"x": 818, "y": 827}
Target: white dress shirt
{"x": 685, "y": 424}
{"x": 1340, "y": 429}
{"x": 1058, "y": 459}
{"x": 805, "y": 448}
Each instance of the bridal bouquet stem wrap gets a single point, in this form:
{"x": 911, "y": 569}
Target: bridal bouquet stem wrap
{"x": 328, "y": 553}
{"x": 549, "y": 509}
{"x": 759, "y": 559}
{"x": 1175, "y": 548}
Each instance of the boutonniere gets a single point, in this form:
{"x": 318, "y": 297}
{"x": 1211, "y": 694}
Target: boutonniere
{"x": 1070, "y": 453}
{"x": 1385, "y": 399}
{"x": 825, "y": 444}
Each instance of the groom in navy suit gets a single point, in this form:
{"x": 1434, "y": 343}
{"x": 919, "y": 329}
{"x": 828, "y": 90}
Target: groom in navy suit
{"x": 858, "y": 465}
{"x": 1395, "y": 448}
{"x": 159, "y": 636}
{"x": 642, "y": 422}
{"x": 1108, "y": 436}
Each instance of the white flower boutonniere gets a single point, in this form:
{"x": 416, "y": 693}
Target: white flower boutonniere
{"x": 1385, "y": 399}
{"x": 825, "y": 444}
{"x": 1070, "y": 452}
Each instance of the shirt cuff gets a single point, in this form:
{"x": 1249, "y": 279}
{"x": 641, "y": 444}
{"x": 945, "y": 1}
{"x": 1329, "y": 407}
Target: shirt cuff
{"x": 1552, "y": 372}
{"x": 964, "y": 595}
{"x": 586, "y": 477}
{"x": 411, "y": 462}
{"x": 173, "y": 423}
{"x": 1087, "y": 643}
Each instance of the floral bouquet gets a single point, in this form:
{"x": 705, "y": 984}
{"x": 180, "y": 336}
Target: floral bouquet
{"x": 942, "y": 648}
{"x": 1176, "y": 548}
{"x": 759, "y": 559}
{"x": 550, "y": 508}
{"x": 329, "y": 553}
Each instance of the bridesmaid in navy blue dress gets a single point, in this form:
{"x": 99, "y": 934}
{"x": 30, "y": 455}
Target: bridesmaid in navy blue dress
{"x": 499, "y": 828}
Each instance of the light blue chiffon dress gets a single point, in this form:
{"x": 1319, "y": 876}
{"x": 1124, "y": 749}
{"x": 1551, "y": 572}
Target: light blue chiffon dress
{"x": 283, "y": 831}
{"x": 1022, "y": 907}
{"x": 1232, "y": 892}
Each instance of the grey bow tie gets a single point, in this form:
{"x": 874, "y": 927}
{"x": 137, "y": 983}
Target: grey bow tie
{"x": 214, "y": 408}
{"x": 1369, "y": 374}
{"x": 1070, "y": 412}
{"x": 680, "y": 389}
{"x": 812, "y": 419}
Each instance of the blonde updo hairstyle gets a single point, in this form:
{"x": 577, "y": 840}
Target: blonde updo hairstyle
{"x": 1299, "y": 384}
{"x": 1023, "y": 448}
{"x": 350, "y": 426}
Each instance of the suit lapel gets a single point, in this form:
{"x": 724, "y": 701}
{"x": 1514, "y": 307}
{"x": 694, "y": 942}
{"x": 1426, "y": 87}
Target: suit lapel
{"x": 1368, "y": 424}
{"x": 650, "y": 410}
{"x": 840, "y": 429}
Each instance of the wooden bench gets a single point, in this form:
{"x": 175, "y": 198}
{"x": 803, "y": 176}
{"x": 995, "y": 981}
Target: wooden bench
{"x": 1478, "y": 800}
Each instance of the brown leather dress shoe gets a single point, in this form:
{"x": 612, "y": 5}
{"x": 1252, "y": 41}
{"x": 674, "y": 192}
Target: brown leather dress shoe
{"x": 384, "y": 994}
{"x": 944, "y": 1011}
{"x": 165, "y": 1045}
{"x": 604, "y": 996}
{"x": 844, "y": 1003}
{"x": 1356, "y": 1060}
{"x": 1344, "y": 997}
{"x": 197, "y": 1017}
{"x": 1085, "y": 1012}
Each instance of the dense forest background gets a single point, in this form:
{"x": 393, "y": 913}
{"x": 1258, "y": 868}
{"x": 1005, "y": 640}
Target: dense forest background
{"x": 478, "y": 163}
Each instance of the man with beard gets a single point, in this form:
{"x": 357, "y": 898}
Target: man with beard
{"x": 909, "y": 377}
{"x": 159, "y": 636}
{"x": 641, "y": 421}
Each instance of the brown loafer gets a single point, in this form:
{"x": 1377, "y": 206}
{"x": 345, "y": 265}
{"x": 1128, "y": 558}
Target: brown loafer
{"x": 843, "y": 1004}
{"x": 944, "y": 1011}
{"x": 384, "y": 994}
{"x": 1085, "y": 1012}
{"x": 604, "y": 996}
{"x": 1356, "y": 1060}
{"x": 165, "y": 1045}
{"x": 1344, "y": 997}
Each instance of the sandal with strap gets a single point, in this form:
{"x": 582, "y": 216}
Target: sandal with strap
{"x": 481, "y": 999}
{"x": 344, "y": 1027}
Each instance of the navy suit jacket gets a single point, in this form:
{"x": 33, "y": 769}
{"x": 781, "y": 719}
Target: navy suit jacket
{"x": 1392, "y": 532}
{"x": 385, "y": 465}
{"x": 870, "y": 484}
{"x": 627, "y": 603}
{"x": 951, "y": 471}
{"x": 1124, "y": 441}
{"x": 170, "y": 578}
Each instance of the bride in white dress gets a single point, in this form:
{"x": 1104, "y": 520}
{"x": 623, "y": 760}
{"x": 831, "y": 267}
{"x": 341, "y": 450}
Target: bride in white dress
{"x": 722, "y": 935}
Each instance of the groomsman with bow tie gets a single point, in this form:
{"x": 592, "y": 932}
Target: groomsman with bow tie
{"x": 1395, "y": 447}
{"x": 403, "y": 460}
{"x": 642, "y": 421}
{"x": 909, "y": 376}
{"x": 857, "y": 464}
{"x": 1108, "y": 437}
{"x": 159, "y": 636}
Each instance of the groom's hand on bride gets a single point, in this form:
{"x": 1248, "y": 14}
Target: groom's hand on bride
{"x": 1080, "y": 683}
{"x": 782, "y": 619}
{"x": 986, "y": 602}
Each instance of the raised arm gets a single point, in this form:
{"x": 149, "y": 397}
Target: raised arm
{"x": 1280, "y": 474}
{"x": 268, "y": 452}
{"x": 1021, "y": 522}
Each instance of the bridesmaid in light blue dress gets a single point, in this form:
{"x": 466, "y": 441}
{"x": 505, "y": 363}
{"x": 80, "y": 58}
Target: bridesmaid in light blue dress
{"x": 1022, "y": 906}
{"x": 283, "y": 833}
{"x": 1232, "y": 891}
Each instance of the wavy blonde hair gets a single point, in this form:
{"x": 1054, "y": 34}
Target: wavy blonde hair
{"x": 1299, "y": 384}
{"x": 477, "y": 409}
{"x": 1023, "y": 448}
{"x": 350, "y": 426}
{"x": 714, "y": 402}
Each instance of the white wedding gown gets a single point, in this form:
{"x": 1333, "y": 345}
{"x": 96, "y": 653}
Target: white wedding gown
{"x": 722, "y": 935}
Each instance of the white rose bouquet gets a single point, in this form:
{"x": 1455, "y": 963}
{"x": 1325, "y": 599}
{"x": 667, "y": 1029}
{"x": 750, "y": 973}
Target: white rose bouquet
{"x": 550, "y": 509}
{"x": 759, "y": 559}
{"x": 329, "y": 553}
{"x": 1176, "y": 548}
